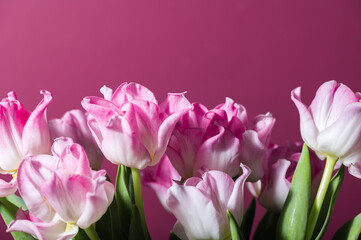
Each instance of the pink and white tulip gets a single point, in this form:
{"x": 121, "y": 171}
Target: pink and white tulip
{"x": 129, "y": 126}
{"x": 256, "y": 145}
{"x": 21, "y": 134}
{"x": 201, "y": 204}
{"x": 206, "y": 140}
{"x": 160, "y": 178}
{"x": 331, "y": 125}
{"x": 74, "y": 124}
{"x": 63, "y": 187}
{"x": 55, "y": 230}
{"x": 279, "y": 171}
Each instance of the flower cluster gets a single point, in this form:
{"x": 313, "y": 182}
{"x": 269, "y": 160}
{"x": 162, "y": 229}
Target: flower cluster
{"x": 197, "y": 160}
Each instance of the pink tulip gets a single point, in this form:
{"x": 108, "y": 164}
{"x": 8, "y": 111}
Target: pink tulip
{"x": 160, "y": 178}
{"x": 21, "y": 134}
{"x": 74, "y": 125}
{"x": 256, "y": 145}
{"x": 55, "y": 230}
{"x": 331, "y": 125}
{"x": 205, "y": 140}
{"x": 129, "y": 126}
{"x": 63, "y": 186}
{"x": 201, "y": 204}
{"x": 280, "y": 168}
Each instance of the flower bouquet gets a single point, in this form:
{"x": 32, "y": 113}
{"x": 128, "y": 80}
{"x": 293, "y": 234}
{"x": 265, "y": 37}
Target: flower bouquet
{"x": 197, "y": 160}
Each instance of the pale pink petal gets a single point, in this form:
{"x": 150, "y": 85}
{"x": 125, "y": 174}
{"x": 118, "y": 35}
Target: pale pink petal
{"x": 55, "y": 230}
{"x": 274, "y": 193}
{"x": 102, "y": 110}
{"x": 220, "y": 152}
{"x": 10, "y": 147}
{"x": 263, "y": 125}
{"x": 254, "y": 188}
{"x": 330, "y": 100}
{"x": 132, "y": 91}
{"x": 107, "y": 93}
{"x": 8, "y": 188}
{"x": 121, "y": 146}
{"x": 309, "y": 131}
{"x": 36, "y": 136}
{"x": 196, "y": 213}
{"x": 253, "y": 154}
{"x": 174, "y": 103}
{"x": 355, "y": 169}
{"x": 343, "y": 138}
{"x": 236, "y": 200}
{"x": 67, "y": 195}
{"x": 165, "y": 130}
{"x": 179, "y": 231}
{"x": 97, "y": 203}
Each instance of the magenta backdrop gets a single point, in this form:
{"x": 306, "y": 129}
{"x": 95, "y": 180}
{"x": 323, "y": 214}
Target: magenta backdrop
{"x": 253, "y": 51}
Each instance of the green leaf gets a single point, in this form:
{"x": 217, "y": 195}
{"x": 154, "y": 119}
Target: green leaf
{"x": 248, "y": 218}
{"x": 17, "y": 201}
{"x": 136, "y": 232}
{"x": 81, "y": 235}
{"x": 124, "y": 199}
{"x": 328, "y": 204}
{"x": 111, "y": 217}
{"x": 293, "y": 220}
{"x": 236, "y": 233}
{"x": 172, "y": 236}
{"x": 8, "y": 214}
{"x": 266, "y": 228}
{"x": 350, "y": 230}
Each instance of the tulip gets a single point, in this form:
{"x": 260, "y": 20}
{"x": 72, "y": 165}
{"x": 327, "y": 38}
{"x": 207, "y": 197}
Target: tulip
{"x": 21, "y": 134}
{"x": 200, "y": 205}
{"x": 160, "y": 178}
{"x": 26, "y": 222}
{"x": 256, "y": 145}
{"x": 129, "y": 126}
{"x": 63, "y": 186}
{"x": 206, "y": 140}
{"x": 279, "y": 172}
{"x": 331, "y": 125}
{"x": 74, "y": 125}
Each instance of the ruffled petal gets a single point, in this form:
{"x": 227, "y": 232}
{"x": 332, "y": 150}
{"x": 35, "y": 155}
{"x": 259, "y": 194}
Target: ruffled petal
{"x": 36, "y": 136}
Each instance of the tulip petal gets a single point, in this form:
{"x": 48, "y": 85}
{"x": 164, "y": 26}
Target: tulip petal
{"x": 274, "y": 193}
{"x": 8, "y": 188}
{"x": 42, "y": 230}
{"x": 174, "y": 103}
{"x": 97, "y": 203}
{"x": 343, "y": 138}
{"x": 66, "y": 195}
{"x": 127, "y": 92}
{"x": 253, "y": 154}
{"x": 220, "y": 152}
{"x": 165, "y": 130}
{"x": 36, "y": 136}
{"x": 199, "y": 218}
{"x": 330, "y": 100}
{"x": 102, "y": 110}
{"x": 309, "y": 131}
{"x": 236, "y": 200}
{"x": 31, "y": 175}
{"x": 121, "y": 146}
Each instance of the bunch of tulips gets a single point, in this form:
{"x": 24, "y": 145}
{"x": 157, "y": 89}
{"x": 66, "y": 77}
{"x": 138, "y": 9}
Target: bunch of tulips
{"x": 197, "y": 160}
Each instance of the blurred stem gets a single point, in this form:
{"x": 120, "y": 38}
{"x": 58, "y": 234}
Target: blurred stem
{"x": 92, "y": 234}
{"x": 138, "y": 197}
{"x": 321, "y": 192}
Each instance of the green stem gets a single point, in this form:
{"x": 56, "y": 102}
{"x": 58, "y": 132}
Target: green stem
{"x": 321, "y": 192}
{"x": 138, "y": 197}
{"x": 92, "y": 234}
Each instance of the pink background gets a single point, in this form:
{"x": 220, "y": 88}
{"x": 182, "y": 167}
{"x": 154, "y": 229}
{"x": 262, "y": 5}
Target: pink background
{"x": 255, "y": 52}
